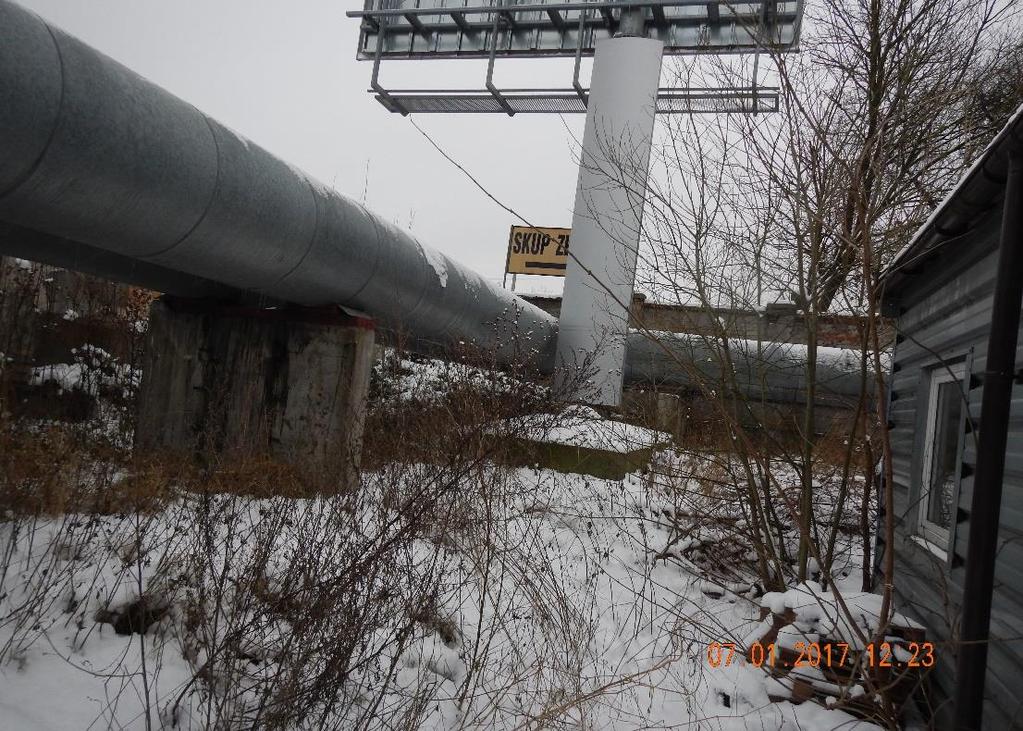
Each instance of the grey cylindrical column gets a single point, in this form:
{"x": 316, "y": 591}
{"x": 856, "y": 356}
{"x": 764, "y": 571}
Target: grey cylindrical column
{"x": 606, "y": 220}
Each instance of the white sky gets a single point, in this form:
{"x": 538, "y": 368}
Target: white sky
{"x": 284, "y": 74}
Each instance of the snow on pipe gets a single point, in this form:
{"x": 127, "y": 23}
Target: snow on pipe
{"x": 103, "y": 171}
{"x": 92, "y": 153}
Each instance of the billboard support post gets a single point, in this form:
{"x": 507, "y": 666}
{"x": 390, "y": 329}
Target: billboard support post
{"x": 610, "y": 193}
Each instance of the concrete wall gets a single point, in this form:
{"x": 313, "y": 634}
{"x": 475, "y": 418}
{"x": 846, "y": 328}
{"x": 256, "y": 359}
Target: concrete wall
{"x": 289, "y": 383}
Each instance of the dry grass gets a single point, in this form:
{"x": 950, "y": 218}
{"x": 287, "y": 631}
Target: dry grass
{"x": 38, "y": 470}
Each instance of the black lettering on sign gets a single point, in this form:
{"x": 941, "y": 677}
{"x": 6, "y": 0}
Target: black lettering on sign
{"x": 562, "y": 245}
{"x": 517, "y": 243}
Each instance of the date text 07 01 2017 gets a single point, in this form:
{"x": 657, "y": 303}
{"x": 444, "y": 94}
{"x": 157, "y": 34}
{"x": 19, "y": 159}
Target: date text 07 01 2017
{"x": 814, "y": 655}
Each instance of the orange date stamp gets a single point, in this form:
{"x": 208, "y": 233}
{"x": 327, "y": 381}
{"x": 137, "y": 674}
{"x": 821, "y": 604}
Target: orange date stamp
{"x": 816, "y": 655}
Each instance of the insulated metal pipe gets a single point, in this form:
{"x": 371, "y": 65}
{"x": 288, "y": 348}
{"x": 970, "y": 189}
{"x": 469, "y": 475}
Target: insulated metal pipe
{"x": 775, "y": 375}
{"x": 27, "y": 244}
{"x": 92, "y": 153}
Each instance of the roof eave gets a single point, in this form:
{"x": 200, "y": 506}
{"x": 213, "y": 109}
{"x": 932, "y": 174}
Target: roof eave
{"x": 980, "y": 188}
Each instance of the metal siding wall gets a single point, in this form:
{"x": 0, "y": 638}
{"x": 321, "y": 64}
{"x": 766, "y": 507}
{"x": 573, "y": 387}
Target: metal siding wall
{"x": 945, "y": 315}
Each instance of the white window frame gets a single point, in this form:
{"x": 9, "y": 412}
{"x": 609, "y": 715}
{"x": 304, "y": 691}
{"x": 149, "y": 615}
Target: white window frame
{"x": 935, "y": 535}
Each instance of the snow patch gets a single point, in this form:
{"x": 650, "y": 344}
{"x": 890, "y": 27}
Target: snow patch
{"x": 818, "y": 611}
{"x": 581, "y": 426}
{"x": 436, "y": 260}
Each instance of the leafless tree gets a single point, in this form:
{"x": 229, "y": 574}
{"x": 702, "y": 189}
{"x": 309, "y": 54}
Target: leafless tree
{"x": 880, "y": 114}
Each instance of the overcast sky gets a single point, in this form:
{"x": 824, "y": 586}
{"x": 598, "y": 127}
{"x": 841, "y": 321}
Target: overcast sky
{"x": 284, "y": 74}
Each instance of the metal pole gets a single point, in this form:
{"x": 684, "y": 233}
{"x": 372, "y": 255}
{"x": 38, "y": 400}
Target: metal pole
{"x": 610, "y": 194}
{"x": 374, "y": 80}
{"x": 999, "y": 376}
{"x": 579, "y": 57}
{"x": 632, "y": 23}
{"x": 490, "y": 68}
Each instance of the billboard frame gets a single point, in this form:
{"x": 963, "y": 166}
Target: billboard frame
{"x": 467, "y": 31}
{"x": 676, "y": 100}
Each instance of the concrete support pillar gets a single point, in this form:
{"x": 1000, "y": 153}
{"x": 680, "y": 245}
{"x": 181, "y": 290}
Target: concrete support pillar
{"x": 609, "y": 200}
{"x": 231, "y": 381}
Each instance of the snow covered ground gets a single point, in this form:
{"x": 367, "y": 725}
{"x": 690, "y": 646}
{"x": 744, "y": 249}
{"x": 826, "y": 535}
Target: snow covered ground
{"x": 581, "y": 426}
{"x": 556, "y": 601}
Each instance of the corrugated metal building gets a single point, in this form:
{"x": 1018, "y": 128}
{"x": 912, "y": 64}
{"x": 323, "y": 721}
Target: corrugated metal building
{"x": 940, "y": 290}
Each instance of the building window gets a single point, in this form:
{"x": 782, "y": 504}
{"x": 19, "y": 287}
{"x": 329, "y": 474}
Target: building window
{"x": 945, "y": 408}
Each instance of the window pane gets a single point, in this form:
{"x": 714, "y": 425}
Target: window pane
{"x": 943, "y": 465}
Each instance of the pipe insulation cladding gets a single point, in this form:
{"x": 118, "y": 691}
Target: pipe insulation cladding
{"x": 90, "y": 152}
{"x": 105, "y": 172}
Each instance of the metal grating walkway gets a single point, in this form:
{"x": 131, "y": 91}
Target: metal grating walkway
{"x": 567, "y": 101}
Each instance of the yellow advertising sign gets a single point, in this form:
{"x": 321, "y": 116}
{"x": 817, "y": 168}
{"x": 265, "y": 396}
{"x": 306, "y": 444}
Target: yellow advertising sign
{"x": 538, "y": 251}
